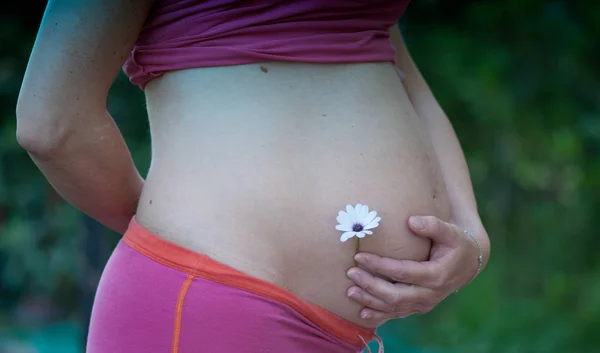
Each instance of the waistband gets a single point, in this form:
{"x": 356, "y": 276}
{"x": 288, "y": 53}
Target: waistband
{"x": 202, "y": 266}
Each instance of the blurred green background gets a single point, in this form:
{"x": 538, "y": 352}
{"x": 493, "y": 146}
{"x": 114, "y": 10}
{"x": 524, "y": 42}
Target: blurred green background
{"x": 520, "y": 81}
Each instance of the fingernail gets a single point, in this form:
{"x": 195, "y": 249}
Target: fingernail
{"x": 365, "y": 315}
{"x": 361, "y": 257}
{"x": 417, "y": 223}
{"x": 352, "y": 294}
{"x": 352, "y": 273}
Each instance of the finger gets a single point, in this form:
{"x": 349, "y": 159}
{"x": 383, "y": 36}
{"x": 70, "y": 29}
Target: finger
{"x": 369, "y": 300}
{"x": 405, "y": 271}
{"x": 378, "y": 287}
{"x": 390, "y": 293}
{"x": 381, "y": 317}
{"x": 433, "y": 228}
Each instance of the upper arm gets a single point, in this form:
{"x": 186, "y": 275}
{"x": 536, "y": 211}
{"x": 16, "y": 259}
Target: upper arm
{"x": 79, "y": 50}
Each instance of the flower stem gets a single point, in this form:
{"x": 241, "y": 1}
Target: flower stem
{"x": 356, "y": 252}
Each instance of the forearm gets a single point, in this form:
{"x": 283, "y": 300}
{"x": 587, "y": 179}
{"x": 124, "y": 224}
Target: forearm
{"x": 454, "y": 169}
{"x": 90, "y": 166}
{"x": 446, "y": 146}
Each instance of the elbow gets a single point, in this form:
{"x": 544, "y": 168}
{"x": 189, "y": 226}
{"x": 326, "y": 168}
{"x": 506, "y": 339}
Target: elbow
{"x": 39, "y": 135}
{"x": 37, "y": 144}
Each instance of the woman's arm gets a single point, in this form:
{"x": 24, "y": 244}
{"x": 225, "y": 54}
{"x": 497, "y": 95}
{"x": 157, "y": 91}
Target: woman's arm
{"x": 62, "y": 119}
{"x": 417, "y": 287}
{"x": 447, "y": 148}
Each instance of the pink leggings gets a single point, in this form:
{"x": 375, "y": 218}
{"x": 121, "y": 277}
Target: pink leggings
{"x": 157, "y": 297}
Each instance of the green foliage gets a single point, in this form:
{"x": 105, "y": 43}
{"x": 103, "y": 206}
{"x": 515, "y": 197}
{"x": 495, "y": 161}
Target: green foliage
{"x": 520, "y": 82}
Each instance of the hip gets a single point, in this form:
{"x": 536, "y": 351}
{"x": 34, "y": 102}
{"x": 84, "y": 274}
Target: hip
{"x": 157, "y": 297}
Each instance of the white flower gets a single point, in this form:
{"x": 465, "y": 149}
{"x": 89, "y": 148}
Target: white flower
{"x": 356, "y": 221}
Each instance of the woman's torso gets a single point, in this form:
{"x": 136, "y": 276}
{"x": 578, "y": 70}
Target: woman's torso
{"x": 251, "y": 164}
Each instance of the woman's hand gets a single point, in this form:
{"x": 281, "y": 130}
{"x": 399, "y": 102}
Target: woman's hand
{"x": 417, "y": 287}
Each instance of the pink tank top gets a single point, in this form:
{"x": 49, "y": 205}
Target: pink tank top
{"x": 180, "y": 34}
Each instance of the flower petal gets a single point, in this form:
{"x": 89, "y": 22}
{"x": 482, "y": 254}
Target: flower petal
{"x": 370, "y": 217}
{"x": 360, "y": 213}
{"x": 360, "y": 234}
{"x": 376, "y": 220}
{"x": 344, "y": 227}
{"x": 351, "y": 213}
{"x": 371, "y": 225}
{"x": 343, "y": 218}
{"x": 367, "y": 232}
{"x": 347, "y": 235}
{"x": 358, "y": 209}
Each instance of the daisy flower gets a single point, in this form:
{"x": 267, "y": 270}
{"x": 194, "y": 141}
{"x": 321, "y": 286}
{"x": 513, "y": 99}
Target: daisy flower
{"x": 356, "y": 221}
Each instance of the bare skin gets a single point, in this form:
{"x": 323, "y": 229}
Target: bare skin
{"x": 251, "y": 168}
{"x": 251, "y": 163}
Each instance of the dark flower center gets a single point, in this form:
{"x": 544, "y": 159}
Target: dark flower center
{"x": 357, "y": 227}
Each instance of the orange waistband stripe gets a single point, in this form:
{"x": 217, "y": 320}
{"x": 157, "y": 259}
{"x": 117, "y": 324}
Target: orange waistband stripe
{"x": 202, "y": 266}
{"x": 178, "y": 311}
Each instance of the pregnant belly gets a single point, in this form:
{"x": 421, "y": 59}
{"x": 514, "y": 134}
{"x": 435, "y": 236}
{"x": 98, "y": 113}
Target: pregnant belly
{"x": 258, "y": 184}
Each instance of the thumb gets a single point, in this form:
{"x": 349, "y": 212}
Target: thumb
{"x": 433, "y": 228}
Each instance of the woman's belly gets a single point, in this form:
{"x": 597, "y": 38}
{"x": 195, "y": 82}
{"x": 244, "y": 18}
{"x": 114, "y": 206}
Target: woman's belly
{"x": 251, "y": 164}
